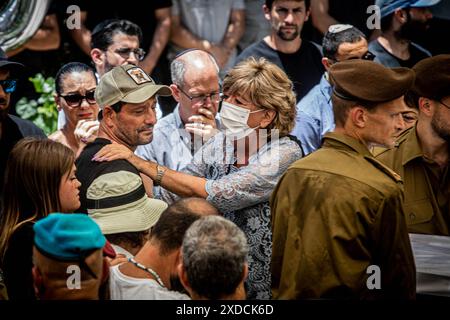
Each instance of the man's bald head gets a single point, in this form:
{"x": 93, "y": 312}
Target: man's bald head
{"x": 197, "y": 206}
{"x": 190, "y": 64}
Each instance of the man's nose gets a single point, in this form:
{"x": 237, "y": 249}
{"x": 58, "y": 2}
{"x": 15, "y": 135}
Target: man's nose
{"x": 400, "y": 125}
{"x": 150, "y": 116}
{"x": 132, "y": 58}
{"x": 289, "y": 18}
{"x": 2, "y": 92}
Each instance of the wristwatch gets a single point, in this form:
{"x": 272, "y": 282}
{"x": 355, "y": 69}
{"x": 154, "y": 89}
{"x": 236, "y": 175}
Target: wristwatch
{"x": 159, "y": 174}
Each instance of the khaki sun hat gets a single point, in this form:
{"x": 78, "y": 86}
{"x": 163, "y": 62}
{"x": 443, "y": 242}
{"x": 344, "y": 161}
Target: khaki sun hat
{"x": 118, "y": 203}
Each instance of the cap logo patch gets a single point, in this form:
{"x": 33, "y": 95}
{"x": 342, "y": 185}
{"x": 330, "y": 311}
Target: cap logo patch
{"x": 138, "y": 75}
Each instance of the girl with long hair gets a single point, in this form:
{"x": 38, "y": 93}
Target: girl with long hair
{"x": 39, "y": 179}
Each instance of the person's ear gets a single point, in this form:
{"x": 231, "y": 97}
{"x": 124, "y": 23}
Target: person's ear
{"x": 184, "y": 278}
{"x": 267, "y": 12}
{"x": 358, "y": 115}
{"x": 109, "y": 116}
{"x": 269, "y": 115}
{"x": 245, "y": 272}
{"x": 97, "y": 56}
{"x": 175, "y": 92}
{"x": 326, "y": 63}
{"x": 308, "y": 13}
{"x": 37, "y": 281}
{"x": 425, "y": 106}
{"x": 401, "y": 15}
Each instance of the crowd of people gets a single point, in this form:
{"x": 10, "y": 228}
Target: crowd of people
{"x": 218, "y": 153}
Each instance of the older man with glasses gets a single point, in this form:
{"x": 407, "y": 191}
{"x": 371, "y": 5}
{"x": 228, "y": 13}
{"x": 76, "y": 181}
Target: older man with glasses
{"x": 315, "y": 112}
{"x": 195, "y": 86}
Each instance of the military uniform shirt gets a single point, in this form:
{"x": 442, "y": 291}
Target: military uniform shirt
{"x": 426, "y": 186}
{"x": 335, "y": 213}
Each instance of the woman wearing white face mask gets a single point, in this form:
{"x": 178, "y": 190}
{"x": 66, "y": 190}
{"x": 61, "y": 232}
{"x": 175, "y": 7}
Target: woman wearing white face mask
{"x": 238, "y": 168}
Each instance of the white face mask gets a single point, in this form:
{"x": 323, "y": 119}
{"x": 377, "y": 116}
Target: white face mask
{"x": 234, "y": 120}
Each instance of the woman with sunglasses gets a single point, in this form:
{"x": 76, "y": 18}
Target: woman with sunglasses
{"x": 75, "y": 85}
{"x": 238, "y": 168}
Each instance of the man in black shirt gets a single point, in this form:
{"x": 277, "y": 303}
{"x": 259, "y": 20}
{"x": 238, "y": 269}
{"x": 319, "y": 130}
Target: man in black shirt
{"x": 299, "y": 58}
{"x": 401, "y": 22}
{"x": 126, "y": 96}
{"x": 12, "y": 128}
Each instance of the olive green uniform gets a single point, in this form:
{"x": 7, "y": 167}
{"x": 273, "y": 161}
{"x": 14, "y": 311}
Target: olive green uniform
{"x": 335, "y": 213}
{"x": 426, "y": 186}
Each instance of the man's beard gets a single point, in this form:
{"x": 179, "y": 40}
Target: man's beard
{"x": 288, "y": 37}
{"x": 440, "y": 129}
{"x": 108, "y": 66}
{"x": 412, "y": 29}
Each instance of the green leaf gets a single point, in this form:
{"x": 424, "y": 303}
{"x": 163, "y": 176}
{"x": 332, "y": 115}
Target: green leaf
{"x": 42, "y": 111}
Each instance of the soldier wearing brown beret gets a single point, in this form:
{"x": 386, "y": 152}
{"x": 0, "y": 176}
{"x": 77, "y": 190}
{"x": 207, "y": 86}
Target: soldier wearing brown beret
{"x": 339, "y": 211}
{"x": 421, "y": 155}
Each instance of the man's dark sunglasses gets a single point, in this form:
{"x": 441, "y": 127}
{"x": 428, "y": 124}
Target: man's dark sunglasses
{"x": 74, "y": 100}
{"x": 8, "y": 85}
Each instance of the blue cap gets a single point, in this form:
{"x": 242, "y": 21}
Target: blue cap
{"x": 389, "y": 6}
{"x": 67, "y": 237}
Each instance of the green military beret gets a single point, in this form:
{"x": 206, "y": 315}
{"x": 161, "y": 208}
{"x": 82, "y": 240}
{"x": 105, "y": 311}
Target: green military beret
{"x": 362, "y": 80}
{"x": 433, "y": 77}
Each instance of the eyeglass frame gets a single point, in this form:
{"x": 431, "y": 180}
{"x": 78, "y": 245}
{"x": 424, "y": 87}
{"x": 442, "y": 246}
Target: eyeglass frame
{"x": 81, "y": 100}
{"x": 138, "y": 52}
{"x": 9, "y": 90}
{"x": 447, "y": 106}
{"x": 203, "y": 96}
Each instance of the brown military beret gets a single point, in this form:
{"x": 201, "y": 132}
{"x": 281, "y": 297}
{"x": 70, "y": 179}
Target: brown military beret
{"x": 433, "y": 77}
{"x": 363, "y": 80}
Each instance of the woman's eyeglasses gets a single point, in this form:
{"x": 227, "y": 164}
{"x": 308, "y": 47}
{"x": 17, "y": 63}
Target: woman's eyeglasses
{"x": 75, "y": 100}
{"x": 8, "y": 85}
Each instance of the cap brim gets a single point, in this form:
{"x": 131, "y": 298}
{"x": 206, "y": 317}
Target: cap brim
{"x": 11, "y": 66}
{"x": 146, "y": 92}
{"x": 134, "y": 217}
{"x": 425, "y": 3}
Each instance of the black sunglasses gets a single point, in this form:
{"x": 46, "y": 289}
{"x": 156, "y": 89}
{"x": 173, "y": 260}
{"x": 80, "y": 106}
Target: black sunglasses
{"x": 8, "y": 85}
{"x": 74, "y": 100}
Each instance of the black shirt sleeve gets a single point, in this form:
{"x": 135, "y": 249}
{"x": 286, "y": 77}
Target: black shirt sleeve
{"x": 18, "y": 263}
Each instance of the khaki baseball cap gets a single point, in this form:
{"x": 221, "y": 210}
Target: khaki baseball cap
{"x": 127, "y": 83}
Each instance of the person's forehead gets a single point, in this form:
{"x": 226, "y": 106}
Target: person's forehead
{"x": 289, "y": 4}
{"x": 360, "y": 46}
{"x": 76, "y": 82}
{"x": 122, "y": 39}
{"x": 132, "y": 106}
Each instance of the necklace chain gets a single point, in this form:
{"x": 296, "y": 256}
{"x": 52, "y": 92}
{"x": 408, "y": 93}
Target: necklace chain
{"x": 149, "y": 270}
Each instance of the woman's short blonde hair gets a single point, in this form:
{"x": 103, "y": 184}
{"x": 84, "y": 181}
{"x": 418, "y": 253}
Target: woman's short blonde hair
{"x": 267, "y": 87}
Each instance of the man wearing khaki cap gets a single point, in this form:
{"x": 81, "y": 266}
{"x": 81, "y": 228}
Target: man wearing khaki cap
{"x": 421, "y": 154}
{"x": 126, "y": 96}
{"x": 337, "y": 215}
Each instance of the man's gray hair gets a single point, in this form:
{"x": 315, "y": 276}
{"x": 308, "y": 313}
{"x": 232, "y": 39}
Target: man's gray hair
{"x": 178, "y": 68}
{"x": 214, "y": 254}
